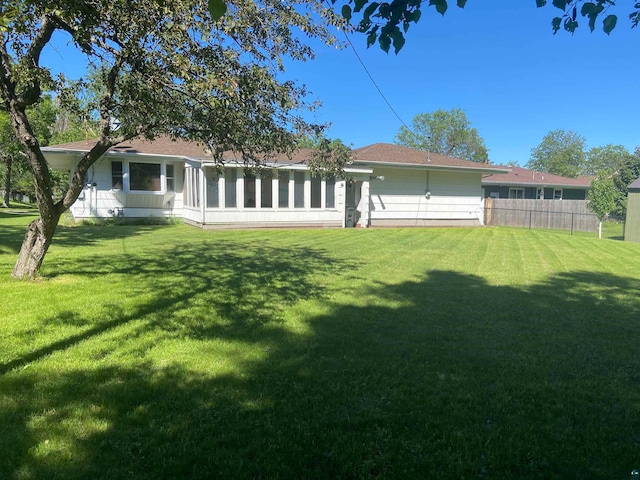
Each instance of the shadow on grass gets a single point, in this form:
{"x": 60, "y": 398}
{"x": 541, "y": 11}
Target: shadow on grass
{"x": 13, "y": 226}
{"x": 446, "y": 376}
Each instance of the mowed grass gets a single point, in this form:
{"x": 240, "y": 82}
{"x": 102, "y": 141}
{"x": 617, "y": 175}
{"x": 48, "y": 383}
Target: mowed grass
{"x": 171, "y": 352}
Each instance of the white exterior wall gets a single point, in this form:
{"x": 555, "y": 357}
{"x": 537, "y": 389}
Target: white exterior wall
{"x": 409, "y": 194}
{"x": 102, "y": 201}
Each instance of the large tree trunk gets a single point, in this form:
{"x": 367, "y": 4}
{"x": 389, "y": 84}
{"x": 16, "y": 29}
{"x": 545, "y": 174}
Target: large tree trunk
{"x": 7, "y": 182}
{"x": 34, "y": 246}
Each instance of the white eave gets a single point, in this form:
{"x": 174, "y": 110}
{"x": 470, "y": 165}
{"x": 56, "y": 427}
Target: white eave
{"x": 434, "y": 167}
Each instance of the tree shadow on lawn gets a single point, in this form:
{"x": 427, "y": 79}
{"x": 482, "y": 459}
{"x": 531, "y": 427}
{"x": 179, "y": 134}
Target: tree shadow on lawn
{"x": 446, "y": 376}
{"x": 12, "y": 233}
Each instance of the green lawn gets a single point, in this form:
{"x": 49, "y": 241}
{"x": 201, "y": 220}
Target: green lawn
{"x": 154, "y": 352}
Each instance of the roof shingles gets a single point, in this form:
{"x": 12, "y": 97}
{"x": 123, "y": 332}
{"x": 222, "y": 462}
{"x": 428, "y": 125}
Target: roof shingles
{"x": 523, "y": 176}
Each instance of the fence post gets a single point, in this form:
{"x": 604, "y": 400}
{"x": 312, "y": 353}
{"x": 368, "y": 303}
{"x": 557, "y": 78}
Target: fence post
{"x": 530, "y": 213}
{"x": 572, "y": 223}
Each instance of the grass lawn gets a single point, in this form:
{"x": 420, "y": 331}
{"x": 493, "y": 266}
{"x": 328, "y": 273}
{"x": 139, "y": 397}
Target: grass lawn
{"x": 153, "y": 352}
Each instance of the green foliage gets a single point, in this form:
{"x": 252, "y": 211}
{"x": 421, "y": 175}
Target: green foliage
{"x": 591, "y": 10}
{"x": 623, "y": 176}
{"x": 329, "y": 158}
{"x": 602, "y": 196}
{"x": 560, "y": 152}
{"x": 616, "y": 169}
{"x": 162, "y": 68}
{"x": 16, "y": 168}
{"x": 447, "y": 132}
{"x": 606, "y": 159}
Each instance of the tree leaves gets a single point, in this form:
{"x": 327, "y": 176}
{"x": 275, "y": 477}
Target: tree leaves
{"x": 447, "y": 132}
{"x": 609, "y": 23}
{"x": 380, "y": 19}
{"x": 591, "y": 10}
{"x": 217, "y": 8}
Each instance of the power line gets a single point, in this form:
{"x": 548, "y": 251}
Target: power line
{"x": 372, "y": 80}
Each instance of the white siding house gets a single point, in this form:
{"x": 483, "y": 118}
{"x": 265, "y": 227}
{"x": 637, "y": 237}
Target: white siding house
{"x": 386, "y": 185}
{"x": 416, "y": 188}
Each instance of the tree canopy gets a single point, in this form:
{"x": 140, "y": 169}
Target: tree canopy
{"x": 560, "y": 152}
{"x": 447, "y": 132}
{"x": 163, "y": 68}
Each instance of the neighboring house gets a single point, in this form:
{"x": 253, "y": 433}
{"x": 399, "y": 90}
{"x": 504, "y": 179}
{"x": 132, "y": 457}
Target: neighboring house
{"x": 632, "y": 222}
{"x": 529, "y": 184}
{"x": 385, "y": 185}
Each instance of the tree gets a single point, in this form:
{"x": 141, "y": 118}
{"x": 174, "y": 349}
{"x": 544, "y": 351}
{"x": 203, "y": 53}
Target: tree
{"x": 42, "y": 117}
{"x": 560, "y": 152}
{"x": 606, "y": 159}
{"x": 602, "y": 197}
{"x": 164, "y": 68}
{"x": 447, "y": 132}
{"x": 622, "y": 177}
{"x": 387, "y": 22}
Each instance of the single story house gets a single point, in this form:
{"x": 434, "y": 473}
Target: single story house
{"x": 632, "y": 221}
{"x": 384, "y": 185}
{"x": 529, "y": 184}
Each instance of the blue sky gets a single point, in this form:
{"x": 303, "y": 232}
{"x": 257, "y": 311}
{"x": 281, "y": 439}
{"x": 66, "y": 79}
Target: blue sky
{"x": 497, "y": 60}
{"x": 500, "y": 62}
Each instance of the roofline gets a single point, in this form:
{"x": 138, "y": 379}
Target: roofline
{"x": 205, "y": 162}
{"x": 290, "y": 166}
{"x": 521, "y": 184}
{"x": 432, "y": 166}
{"x": 117, "y": 153}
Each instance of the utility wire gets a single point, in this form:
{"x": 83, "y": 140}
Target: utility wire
{"x": 372, "y": 79}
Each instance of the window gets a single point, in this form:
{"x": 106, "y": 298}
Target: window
{"x": 266, "y": 189}
{"x": 144, "y": 177}
{"x": 249, "y": 190}
{"x": 283, "y": 189}
{"x": 231, "y": 182}
{"x": 212, "y": 188}
{"x": 316, "y": 192}
{"x": 192, "y": 187}
{"x": 494, "y": 194}
{"x": 298, "y": 189}
{"x": 169, "y": 178}
{"x": 116, "y": 175}
{"x": 516, "y": 193}
{"x": 330, "y": 197}
{"x": 557, "y": 194}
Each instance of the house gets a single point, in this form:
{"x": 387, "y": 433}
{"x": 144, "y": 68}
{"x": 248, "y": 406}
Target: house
{"x": 416, "y": 188}
{"x": 384, "y": 185}
{"x": 529, "y": 184}
{"x": 632, "y": 221}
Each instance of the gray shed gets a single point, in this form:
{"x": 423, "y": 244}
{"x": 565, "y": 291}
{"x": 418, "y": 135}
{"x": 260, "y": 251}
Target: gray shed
{"x": 632, "y": 223}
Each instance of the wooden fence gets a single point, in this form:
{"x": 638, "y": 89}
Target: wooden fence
{"x": 570, "y": 215}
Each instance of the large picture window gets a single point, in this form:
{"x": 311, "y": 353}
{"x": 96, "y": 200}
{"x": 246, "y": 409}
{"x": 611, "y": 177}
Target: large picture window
{"x": 144, "y": 177}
